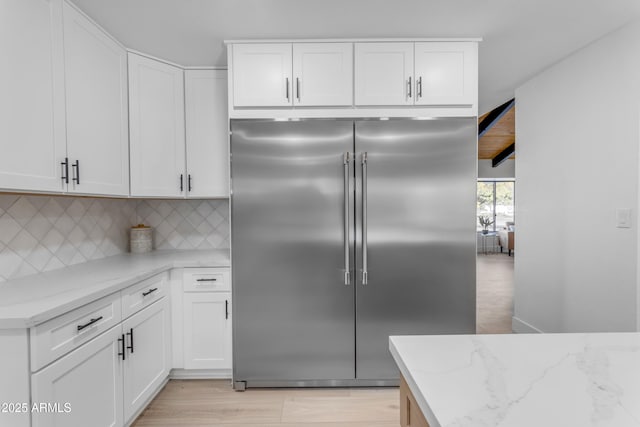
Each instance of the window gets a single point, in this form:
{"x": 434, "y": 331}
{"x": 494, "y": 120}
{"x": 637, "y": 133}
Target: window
{"x": 496, "y": 201}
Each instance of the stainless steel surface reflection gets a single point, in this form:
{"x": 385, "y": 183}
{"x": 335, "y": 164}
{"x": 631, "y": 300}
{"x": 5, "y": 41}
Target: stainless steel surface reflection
{"x": 420, "y": 235}
{"x": 293, "y": 314}
{"x": 296, "y": 323}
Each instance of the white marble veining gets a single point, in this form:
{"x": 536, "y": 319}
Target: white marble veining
{"x": 523, "y": 380}
{"x": 34, "y": 299}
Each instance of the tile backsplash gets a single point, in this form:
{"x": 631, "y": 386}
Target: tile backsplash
{"x": 186, "y": 224}
{"x": 42, "y": 233}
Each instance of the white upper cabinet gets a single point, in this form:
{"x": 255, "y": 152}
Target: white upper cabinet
{"x": 286, "y": 74}
{"x": 96, "y": 107}
{"x": 384, "y": 73}
{"x": 323, "y": 74}
{"x": 262, "y": 75}
{"x": 446, "y": 73}
{"x": 32, "y": 132}
{"x": 156, "y": 126}
{"x": 421, "y": 74}
{"x": 207, "y": 133}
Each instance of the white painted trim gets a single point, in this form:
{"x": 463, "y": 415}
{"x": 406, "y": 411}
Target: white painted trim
{"x": 100, "y": 27}
{"x": 353, "y": 112}
{"x": 155, "y": 58}
{"x": 174, "y": 64}
{"x": 360, "y": 40}
{"x": 637, "y": 225}
{"x": 200, "y": 374}
{"x": 519, "y": 326}
{"x": 205, "y": 68}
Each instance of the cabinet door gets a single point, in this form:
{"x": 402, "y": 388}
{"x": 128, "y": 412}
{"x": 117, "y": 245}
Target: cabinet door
{"x": 207, "y": 133}
{"x": 147, "y": 361}
{"x": 207, "y": 330}
{"x": 262, "y": 75}
{"x": 156, "y": 126}
{"x": 97, "y": 117}
{"x": 446, "y": 73}
{"x": 32, "y": 129}
{"x": 88, "y": 380}
{"x": 384, "y": 74}
{"x": 323, "y": 74}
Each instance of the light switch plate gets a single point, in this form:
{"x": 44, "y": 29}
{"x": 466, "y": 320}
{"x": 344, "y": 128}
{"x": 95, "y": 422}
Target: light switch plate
{"x": 623, "y": 218}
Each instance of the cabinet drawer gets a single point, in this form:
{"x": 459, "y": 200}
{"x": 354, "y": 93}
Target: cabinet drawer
{"x": 206, "y": 279}
{"x": 142, "y": 294}
{"x": 60, "y": 335}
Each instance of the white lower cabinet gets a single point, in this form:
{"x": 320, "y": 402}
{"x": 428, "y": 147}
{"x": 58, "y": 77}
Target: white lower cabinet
{"x": 147, "y": 363}
{"x": 100, "y": 364}
{"x": 108, "y": 380}
{"x": 207, "y": 330}
{"x": 86, "y": 386}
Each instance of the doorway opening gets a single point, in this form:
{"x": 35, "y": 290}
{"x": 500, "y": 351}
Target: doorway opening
{"x": 496, "y": 254}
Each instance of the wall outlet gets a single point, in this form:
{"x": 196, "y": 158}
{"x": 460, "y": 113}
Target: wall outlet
{"x": 623, "y": 218}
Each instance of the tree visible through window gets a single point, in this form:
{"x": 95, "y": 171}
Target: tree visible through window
{"x": 496, "y": 200}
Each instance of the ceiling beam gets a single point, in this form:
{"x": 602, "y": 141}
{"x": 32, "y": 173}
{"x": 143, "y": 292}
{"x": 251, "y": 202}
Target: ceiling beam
{"x": 503, "y": 155}
{"x": 494, "y": 116}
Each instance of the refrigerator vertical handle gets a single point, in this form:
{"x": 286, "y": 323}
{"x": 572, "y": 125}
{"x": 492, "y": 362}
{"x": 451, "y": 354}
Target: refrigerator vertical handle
{"x": 347, "y": 268}
{"x": 365, "y": 273}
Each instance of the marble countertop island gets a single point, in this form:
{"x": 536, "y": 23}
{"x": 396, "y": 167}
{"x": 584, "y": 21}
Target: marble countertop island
{"x": 31, "y": 300}
{"x": 523, "y": 380}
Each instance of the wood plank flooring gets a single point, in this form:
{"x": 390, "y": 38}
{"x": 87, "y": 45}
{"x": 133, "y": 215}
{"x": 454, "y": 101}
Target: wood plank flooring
{"x": 213, "y": 403}
{"x": 494, "y": 293}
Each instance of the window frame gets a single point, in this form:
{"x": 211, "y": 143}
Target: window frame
{"x": 495, "y": 182}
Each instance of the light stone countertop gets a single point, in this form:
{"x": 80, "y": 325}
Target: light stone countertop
{"x": 31, "y": 300}
{"x": 523, "y": 380}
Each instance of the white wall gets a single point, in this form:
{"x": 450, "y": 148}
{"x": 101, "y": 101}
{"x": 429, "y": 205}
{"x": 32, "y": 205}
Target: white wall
{"x": 578, "y": 133}
{"x": 506, "y": 170}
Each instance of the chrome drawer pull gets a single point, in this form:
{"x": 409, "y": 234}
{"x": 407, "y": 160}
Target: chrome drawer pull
{"x": 207, "y": 280}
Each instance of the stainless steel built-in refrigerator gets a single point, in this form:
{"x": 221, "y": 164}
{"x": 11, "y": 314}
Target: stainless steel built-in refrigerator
{"x": 345, "y": 232}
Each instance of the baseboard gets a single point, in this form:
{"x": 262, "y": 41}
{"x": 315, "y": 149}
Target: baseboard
{"x": 200, "y": 374}
{"x": 521, "y": 327}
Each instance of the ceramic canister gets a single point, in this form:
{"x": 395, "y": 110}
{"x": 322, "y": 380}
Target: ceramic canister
{"x": 141, "y": 239}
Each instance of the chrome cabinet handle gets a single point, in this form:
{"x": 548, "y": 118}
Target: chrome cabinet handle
{"x": 365, "y": 273}
{"x": 347, "y": 268}
{"x": 181, "y": 182}
{"x": 419, "y": 87}
{"x": 409, "y": 87}
{"x": 298, "y": 89}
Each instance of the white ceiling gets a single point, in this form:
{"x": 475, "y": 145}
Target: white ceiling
{"x": 521, "y": 37}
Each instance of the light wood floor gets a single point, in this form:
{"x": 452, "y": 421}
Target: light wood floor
{"x": 213, "y": 403}
{"x": 494, "y": 293}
